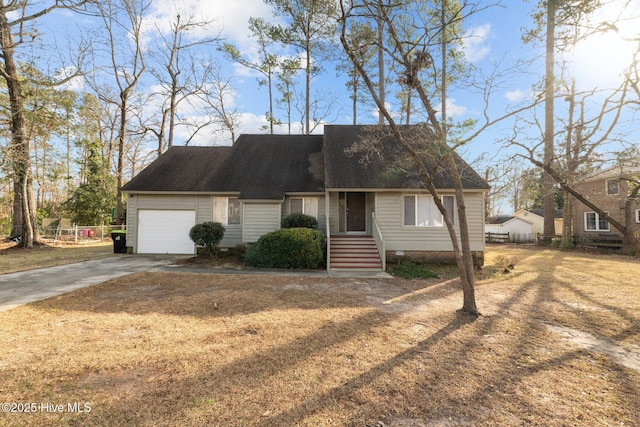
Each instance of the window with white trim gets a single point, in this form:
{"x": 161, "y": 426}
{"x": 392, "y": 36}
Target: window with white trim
{"x": 638, "y": 216}
{"x": 226, "y": 210}
{"x": 613, "y": 187}
{"x": 421, "y": 210}
{"x": 305, "y": 205}
{"x": 593, "y": 222}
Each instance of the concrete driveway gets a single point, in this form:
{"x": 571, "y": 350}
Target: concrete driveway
{"x": 33, "y": 285}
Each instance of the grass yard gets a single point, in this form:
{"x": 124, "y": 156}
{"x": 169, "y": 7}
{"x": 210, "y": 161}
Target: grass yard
{"x": 558, "y": 345}
{"x": 51, "y": 254}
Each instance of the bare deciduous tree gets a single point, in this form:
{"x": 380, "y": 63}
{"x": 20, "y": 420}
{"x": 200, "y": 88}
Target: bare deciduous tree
{"x": 123, "y": 23}
{"x": 14, "y": 32}
{"x": 175, "y": 70}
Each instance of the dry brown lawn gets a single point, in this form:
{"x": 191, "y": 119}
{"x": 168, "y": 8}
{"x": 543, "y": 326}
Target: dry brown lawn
{"x": 558, "y": 345}
{"x": 53, "y": 253}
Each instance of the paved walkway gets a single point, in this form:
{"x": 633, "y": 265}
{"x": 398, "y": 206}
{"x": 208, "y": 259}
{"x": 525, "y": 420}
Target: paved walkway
{"x": 33, "y": 285}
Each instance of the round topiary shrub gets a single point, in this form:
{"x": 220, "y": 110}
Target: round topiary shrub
{"x": 287, "y": 248}
{"x": 208, "y": 234}
{"x": 296, "y": 220}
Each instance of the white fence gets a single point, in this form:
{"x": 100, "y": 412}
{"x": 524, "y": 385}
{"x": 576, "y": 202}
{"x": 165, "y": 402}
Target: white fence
{"x": 79, "y": 233}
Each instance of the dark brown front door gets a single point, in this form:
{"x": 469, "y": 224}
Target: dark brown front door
{"x": 356, "y": 212}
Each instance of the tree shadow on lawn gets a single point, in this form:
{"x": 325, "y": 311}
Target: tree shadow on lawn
{"x": 497, "y": 369}
{"x": 262, "y": 390}
{"x": 230, "y": 383}
{"x": 586, "y": 377}
{"x": 227, "y": 295}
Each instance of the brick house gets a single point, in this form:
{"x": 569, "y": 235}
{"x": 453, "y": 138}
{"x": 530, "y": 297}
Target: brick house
{"x": 608, "y": 190}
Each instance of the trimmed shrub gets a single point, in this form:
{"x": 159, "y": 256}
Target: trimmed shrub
{"x": 299, "y": 220}
{"x": 208, "y": 234}
{"x": 287, "y": 248}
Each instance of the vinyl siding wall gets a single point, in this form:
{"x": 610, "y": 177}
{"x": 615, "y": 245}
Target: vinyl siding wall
{"x": 259, "y": 219}
{"x": 398, "y": 237}
{"x": 203, "y": 205}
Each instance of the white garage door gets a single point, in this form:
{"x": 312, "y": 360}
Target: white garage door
{"x": 165, "y": 231}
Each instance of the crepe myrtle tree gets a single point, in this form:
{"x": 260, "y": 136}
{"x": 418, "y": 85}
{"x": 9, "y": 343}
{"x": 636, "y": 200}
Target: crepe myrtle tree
{"x": 208, "y": 234}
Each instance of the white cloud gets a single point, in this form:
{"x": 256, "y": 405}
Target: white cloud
{"x": 475, "y": 46}
{"x": 74, "y": 84}
{"x": 454, "y": 110}
{"x": 516, "y": 95}
{"x": 229, "y": 17}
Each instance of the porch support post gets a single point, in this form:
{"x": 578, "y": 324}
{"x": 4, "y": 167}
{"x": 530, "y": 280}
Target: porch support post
{"x": 327, "y": 219}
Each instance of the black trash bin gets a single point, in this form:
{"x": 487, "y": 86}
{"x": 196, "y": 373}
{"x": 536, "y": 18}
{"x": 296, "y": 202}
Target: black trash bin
{"x": 119, "y": 238}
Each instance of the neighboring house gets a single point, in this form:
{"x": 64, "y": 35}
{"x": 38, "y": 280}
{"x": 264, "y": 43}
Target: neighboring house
{"x": 520, "y": 230}
{"x": 536, "y": 217}
{"x": 609, "y": 191}
{"x": 363, "y": 199}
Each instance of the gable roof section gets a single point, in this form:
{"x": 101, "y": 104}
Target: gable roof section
{"x": 500, "y": 219}
{"x": 268, "y": 166}
{"x": 362, "y": 157}
{"x": 256, "y": 167}
{"x": 179, "y": 169}
{"x": 503, "y": 219}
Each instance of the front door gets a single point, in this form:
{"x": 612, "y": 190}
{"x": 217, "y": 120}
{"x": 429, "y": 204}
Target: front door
{"x": 356, "y": 212}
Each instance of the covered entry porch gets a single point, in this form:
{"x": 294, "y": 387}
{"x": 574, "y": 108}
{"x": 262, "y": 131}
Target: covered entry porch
{"x": 354, "y": 241}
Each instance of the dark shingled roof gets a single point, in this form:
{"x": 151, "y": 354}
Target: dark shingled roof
{"x": 500, "y": 219}
{"x": 366, "y": 157}
{"x": 257, "y": 166}
{"x": 268, "y": 166}
{"x": 557, "y": 213}
{"x": 180, "y": 169}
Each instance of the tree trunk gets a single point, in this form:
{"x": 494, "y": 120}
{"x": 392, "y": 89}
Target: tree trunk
{"x": 173, "y": 107}
{"x": 20, "y": 147}
{"x": 381, "y": 88}
{"x": 16, "y": 229}
{"x": 567, "y": 221}
{"x": 467, "y": 274}
{"x": 307, "y": 92}
{"x": 121, "y": 147}
{"x": 547, "y": 180}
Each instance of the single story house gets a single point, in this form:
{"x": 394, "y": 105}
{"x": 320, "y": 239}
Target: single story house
{"x": 369, "y": 200}
{"x": 520, "y": 230}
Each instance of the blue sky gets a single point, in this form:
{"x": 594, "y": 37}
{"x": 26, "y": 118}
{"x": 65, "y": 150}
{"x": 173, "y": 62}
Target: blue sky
{"x": 495, "y": 37}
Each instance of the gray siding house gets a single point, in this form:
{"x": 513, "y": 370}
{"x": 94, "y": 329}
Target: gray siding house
{"x": 368, "y": 199}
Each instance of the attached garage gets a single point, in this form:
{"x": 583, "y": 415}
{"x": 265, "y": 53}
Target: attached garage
{"x": 165, "y": 231}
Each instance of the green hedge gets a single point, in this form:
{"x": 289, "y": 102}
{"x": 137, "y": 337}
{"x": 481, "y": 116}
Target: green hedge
{"x": 287, "y": 248}
{"x": 296, "y": 220}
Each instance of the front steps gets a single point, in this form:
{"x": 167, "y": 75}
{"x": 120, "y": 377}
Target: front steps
{"x": 354, "y": 253}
